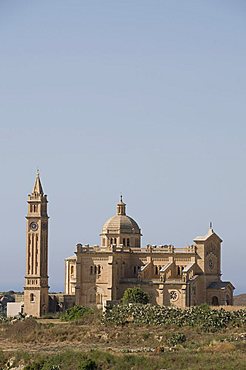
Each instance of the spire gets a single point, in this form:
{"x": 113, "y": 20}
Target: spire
{"x": 37, "y": 189}
{"x": 121, "y": 207}
{"x": 210, "y": 230}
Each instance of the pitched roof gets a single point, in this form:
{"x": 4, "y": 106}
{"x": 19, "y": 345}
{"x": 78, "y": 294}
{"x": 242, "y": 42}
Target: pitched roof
{"x": 219, "y": 285}
{"x": 205, "y": 237}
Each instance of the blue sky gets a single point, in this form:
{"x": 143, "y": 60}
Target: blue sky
{"x": 143, "y": 98}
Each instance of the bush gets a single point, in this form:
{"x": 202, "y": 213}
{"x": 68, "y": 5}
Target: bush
{"x": 206, "y": 319}
{"x": 135, "y": 295}
{"x": 21, "y": 329}
{"x": 88, "y": 364}
{"x": 76, "y": 313}
{"x": 176, "y": 338}
{"x": 3, "y": 359}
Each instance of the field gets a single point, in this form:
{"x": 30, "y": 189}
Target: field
{"x": 93, "y": 343}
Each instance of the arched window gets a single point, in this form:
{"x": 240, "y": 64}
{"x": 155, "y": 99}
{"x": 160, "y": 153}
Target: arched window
{"x": 156, "y": 270}
{"x": 215, "y": 301}
{"x": 179, "y": 270}
{"x": 98, "y": 298}
{"x": 124, "y": 241}
{"x": 111, "y": 241}
{"x": 128, "y": 242}
{"x": 95, "y": 269}
{"x": 32, "y": 297}
{"x": 99, "y": 269}
{"x": 115, "y": 241}
{"x": 72, "y": 270}
{"x": 91, "y": 270}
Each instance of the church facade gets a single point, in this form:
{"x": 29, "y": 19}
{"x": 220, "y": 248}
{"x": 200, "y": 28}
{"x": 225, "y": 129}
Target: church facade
{"x": 99, "y": 275}
{"x": 182, "y": 277}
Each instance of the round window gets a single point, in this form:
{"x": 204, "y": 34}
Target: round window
{"x": 174, "y": 295}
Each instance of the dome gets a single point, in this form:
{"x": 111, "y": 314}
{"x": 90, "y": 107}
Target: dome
{"x": 121, "y": 223}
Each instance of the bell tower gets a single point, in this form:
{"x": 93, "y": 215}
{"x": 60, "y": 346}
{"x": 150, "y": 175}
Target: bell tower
{"x": 36, "y": 299}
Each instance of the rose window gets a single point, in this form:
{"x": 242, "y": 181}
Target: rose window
{"x": 173, "y": 295}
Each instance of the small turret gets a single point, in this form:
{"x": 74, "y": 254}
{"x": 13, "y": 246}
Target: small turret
{"x": 121, "y": 207}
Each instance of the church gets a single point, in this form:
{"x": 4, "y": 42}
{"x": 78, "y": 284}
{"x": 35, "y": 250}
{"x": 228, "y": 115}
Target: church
{"x": 99, "y": 275}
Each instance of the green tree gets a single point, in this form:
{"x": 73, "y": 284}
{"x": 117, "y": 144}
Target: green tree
{"x": 75, "y": 313}
{"x": 135, "y": 295}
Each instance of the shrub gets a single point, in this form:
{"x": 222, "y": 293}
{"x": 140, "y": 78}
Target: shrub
{"x": 3, "y": 359}
{"x": 76, "y": 313}
{"x": 135, "y": 295}
{"x": 176, "y": 338}
{"x": 207, "y": 320}
{"x": 88, "y": 364}
{"x": 20, "y": 330}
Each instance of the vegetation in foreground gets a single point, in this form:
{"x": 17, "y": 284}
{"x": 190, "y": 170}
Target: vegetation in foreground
{"x": 210, "y": 320}
{"x": 218, "y": 358}
{"x": 132, "y": 336}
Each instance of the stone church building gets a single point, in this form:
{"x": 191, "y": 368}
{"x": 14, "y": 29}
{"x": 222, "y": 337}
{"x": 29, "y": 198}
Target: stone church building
{"x": 99, "y": 275}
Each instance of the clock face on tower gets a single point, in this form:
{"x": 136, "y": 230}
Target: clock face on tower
{"x": 34, "y": 226}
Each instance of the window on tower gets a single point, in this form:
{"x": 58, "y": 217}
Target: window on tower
{"x": 72, "y": 270}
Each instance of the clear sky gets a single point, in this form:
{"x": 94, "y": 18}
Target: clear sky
{"x": 143, "y": 98}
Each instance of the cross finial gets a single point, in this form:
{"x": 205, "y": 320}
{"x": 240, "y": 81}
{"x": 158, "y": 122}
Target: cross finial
{"x": 121, "y": 198}
{"x": 38, "y": 172}
{"x": 210, "y": 225}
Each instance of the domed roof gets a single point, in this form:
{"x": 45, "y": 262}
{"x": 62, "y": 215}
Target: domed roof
{"x": 121, "y": 223}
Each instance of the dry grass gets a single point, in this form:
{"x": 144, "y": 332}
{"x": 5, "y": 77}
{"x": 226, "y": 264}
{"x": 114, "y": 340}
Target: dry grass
{"x": 49, "y": 337}
{"x": 221, "y": 347}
